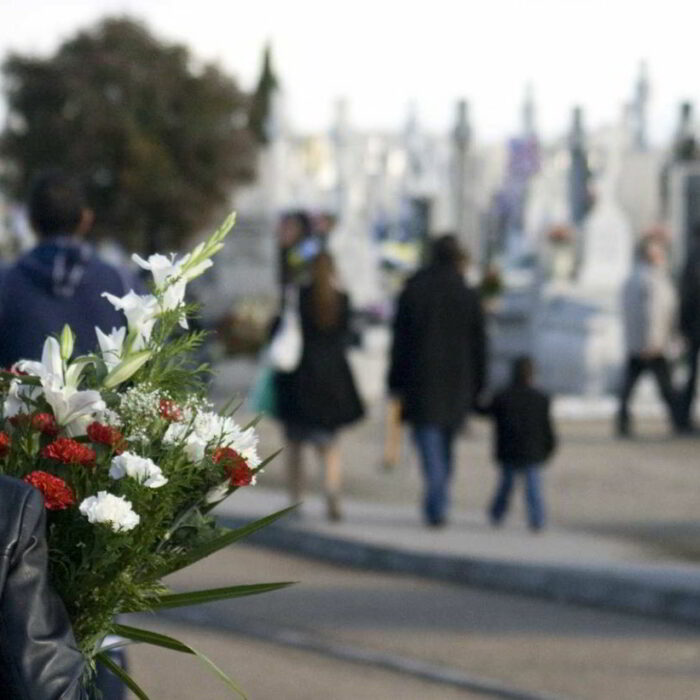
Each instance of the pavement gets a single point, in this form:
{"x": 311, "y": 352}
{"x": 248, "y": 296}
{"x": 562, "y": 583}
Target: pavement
{"x": 623, "y": 533}
{"x": 594, "y": 570}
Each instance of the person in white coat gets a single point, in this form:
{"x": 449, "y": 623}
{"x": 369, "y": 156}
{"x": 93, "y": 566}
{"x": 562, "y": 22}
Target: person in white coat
{"x": 649, "y": 309}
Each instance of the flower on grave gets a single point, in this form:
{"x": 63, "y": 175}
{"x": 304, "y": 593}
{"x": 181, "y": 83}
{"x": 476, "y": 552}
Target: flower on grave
{"x": 69, "y": 451}
{"x": 111, "y": 510}
{"x": 106, "y": 435}
{"x": 5, "y": 444}
{"x": 57, "y": 494}
{"x": 141, "y": 469}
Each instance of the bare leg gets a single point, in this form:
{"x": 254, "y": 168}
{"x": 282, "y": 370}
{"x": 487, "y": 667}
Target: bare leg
{"x": 295, "y": 476}
{"x": 332, "y": 478}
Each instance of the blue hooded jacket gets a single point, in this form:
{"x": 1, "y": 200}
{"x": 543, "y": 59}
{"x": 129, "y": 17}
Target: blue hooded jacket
{"x": 58, "y": 282}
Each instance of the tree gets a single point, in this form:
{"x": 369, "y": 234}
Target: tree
{"x": 159, "y": 140}
{"x": 261, "y": 102}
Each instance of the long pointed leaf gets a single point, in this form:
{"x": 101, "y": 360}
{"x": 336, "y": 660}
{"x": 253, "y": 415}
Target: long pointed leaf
{"x": 229, "y": 537}
{"x": 162, "y": 640}
{"x": 123, "y": 676}
{"x": 267, "y": 460}
{"x": 179, "y": 600}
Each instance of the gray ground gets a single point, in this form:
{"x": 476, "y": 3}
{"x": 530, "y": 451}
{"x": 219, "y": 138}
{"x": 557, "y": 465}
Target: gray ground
{"x": 647, "y": 488}
{"x": 541, "y": 647}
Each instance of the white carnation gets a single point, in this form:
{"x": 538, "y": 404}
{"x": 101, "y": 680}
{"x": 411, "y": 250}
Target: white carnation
{"x": 144, "y": 470}
{"x": 111, "y": 510}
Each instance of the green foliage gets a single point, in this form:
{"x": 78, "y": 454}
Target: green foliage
{"x": 160, "y": 140}
{"x": 261, "y": 103}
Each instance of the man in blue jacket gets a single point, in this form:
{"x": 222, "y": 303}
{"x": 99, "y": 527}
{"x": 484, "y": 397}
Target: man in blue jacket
{"x": 61, "y": 280}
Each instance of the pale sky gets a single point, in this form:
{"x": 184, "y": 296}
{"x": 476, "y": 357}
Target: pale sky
{"x": 382, "y": 55}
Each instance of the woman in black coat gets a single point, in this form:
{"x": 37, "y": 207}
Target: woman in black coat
{"x": 320, "y": 395}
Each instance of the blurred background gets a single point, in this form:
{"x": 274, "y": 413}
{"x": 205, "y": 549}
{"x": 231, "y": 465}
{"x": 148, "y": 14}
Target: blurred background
{"x": 550, "y": 137}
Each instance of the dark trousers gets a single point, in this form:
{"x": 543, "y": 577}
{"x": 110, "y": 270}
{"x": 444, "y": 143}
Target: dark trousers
{"x": 533, "y": 494}
{"x": 434, "y": 445}
{"x": 688, "y": 394}
{"x": 658, "y": 366}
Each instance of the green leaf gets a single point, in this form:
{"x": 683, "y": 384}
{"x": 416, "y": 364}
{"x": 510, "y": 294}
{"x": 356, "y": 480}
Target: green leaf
{"x": 127, "y": 368}
{"x": 162, "y": 640}
{"x": 179, "y": 600}
{"x": 229, "y": 537}
{"x": 67, "y": 342}
{"x": 267, "y": 460}
{"x": 120, "y": 673}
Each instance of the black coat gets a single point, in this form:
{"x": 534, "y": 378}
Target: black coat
{"x": 689, "y": 293}
{"x": 438, "y": 356}
{"x": 39, "y": 659}
{"x": 523, "y": 429}
{"x": 321, "y": 392}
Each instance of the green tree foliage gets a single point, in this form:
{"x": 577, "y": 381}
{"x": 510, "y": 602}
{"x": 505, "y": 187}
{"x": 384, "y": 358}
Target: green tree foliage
{"x": 260, "y": 104}
{"x": 159, "y": 140}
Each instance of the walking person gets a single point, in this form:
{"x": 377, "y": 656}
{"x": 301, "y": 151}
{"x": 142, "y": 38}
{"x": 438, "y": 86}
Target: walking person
{"x": 61, "y": 280}
{"x": 524, "y": 439}
{"x": 649, "y": 308}
{"x": 689, "y": 293}
{"x": 319, "y": 396}
{"x": 438, "y": 365}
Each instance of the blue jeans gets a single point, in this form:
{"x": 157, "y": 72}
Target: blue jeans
{"x": 533, "y": 494}
{"x": 434, "y": 445}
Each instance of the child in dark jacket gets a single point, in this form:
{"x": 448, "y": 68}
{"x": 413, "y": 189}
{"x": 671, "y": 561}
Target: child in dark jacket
{"x": 524, "y": 440}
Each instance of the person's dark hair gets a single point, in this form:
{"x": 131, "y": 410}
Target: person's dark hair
{"x": 522, "y": 370}
{"x": 447, "y": 252}
{"x": 326, "y": 298}
{"x": 56, "y": 203}
{"x": 303, "y": 221}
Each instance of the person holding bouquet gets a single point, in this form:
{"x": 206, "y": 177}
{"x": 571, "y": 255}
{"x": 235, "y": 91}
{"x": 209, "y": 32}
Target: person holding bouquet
{"x": 39, "y": 657}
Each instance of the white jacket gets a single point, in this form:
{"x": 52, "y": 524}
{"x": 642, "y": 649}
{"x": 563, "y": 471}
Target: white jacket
{"x": 649, "y": 307}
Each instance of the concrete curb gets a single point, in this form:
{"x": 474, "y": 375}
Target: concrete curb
{"x": 618, "y": 590}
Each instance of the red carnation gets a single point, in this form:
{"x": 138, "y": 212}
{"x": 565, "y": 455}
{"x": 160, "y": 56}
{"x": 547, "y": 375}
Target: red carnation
{"x": 45, "y": 423}
{"x": 241, "y": 475}
{"x": 170, "y": 410}
{"x": 106, "y": 435}
{"x": 237, "y": 467}
{"x": 5, "y": 443}
{"x": 57, "y": 494}
{"x": 70, "y": 452}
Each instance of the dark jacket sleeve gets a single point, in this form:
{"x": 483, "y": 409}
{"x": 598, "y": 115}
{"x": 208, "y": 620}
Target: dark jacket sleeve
{"x": 550, "y": 435}
{"x": 400, "y": 346}
{"x": 479, "y": 346}
{"x": 39, "y": 659}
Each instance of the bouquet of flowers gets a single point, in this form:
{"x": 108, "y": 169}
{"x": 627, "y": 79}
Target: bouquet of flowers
{"x": 131, "y": 458}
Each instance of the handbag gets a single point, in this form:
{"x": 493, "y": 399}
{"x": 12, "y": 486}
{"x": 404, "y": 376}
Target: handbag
{"x": 286, "y": 345}
{"x": 263, "y": 394}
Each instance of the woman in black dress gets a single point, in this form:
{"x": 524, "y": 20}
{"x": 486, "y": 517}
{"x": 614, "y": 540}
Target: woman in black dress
{"x": 320, "y": 395}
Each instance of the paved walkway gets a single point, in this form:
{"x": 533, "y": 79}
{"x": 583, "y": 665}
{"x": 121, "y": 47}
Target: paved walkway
{"x": 559, "y": 564}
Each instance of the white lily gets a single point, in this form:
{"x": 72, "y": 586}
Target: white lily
{"x": 111, "y": 346}
{"x": 169, "y": 279}
{"x": 73, "y": 409}
{"x": 141, "y": 313}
